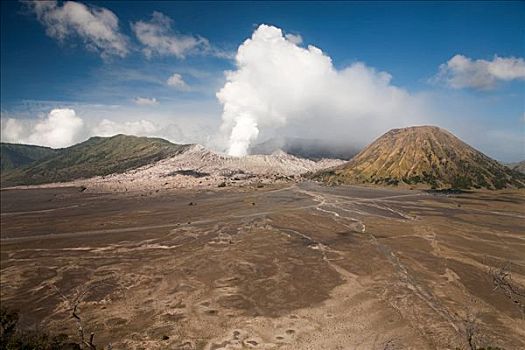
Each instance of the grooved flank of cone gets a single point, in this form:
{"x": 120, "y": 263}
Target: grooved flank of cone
{"x": 423, "y": 156}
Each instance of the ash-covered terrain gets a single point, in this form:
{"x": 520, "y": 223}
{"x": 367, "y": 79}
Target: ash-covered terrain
{"x": 297, "y": 266}
{"x": 127, "y": 163}
{"x": 200, "y": 168}
{"x": 151, "y": 245}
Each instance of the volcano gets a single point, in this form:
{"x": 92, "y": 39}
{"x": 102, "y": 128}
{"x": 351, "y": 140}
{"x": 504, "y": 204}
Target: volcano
{"x": 423, "y": 156}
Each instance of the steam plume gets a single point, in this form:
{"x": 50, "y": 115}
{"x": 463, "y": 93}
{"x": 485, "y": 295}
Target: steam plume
{"x": 277, "y": 81}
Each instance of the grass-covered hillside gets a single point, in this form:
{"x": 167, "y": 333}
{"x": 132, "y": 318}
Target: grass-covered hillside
{"x": 15, "y": 156}
{"x": 94, "y": 157}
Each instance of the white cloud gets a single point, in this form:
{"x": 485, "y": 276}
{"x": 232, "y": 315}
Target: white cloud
{"x": 176, "y": 81}
{"x": 463, "y": 72}
{"x": 278, "y": 83}
{"x": 12, "y": 130}
{"x": 294, "y": 38}
{"x": 96, "y": 26}
{"x": 60, "y": 128}
{"x": 177, "y": 123}
{"x": 159, "y": 39}
{"x": 139, "y": 128}
{"x": 145, "y": 101}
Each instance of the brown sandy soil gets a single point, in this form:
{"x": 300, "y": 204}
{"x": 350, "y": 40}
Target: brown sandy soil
{"x": 297, "y": 266}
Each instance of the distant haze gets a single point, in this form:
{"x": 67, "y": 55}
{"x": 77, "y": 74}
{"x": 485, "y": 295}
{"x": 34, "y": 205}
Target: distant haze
{"x": 314, "y": 149}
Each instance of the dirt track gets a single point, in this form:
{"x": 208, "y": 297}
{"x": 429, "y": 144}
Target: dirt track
{"x": 295, "y": 267}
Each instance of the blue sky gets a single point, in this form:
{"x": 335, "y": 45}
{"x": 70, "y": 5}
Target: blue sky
{"x": 408, "y": 40}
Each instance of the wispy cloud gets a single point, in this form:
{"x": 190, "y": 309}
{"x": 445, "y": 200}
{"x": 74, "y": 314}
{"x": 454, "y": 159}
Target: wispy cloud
{"x": 297, "y": 39}
{"x": 176, "y": 81}
{"x": 158, "y": 38}
{"x": 146, "y": 101}
{"x": 97, "y": 26}
{"x": 121, "y": 83}
{"x": 463, "y": 72}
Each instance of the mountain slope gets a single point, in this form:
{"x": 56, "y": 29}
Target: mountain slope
{"x": 278, "y": 163}
{"x": 425, "y": 156}
{"x": 519, "y": 166}
{"x": 198, "y": 167}
{"x": 15, "y": 155}
{"x": 96, "y": 156}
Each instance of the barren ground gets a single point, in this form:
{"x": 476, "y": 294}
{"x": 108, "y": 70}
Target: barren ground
{"x": 298, "y": 266}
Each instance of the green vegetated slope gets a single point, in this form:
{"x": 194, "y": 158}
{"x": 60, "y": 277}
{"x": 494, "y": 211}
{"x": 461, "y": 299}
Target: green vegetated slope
{"x": 97, "y": 156}
{"x": 423, "y": 156}
{"x": 15, "y": 155}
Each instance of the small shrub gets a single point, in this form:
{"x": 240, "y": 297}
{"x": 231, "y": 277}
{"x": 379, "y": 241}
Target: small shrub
{"x": 12, "y": 338}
